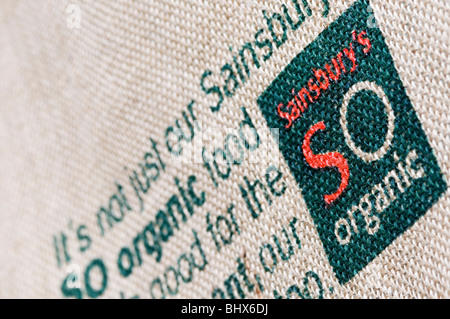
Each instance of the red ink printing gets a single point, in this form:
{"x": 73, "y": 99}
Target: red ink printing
{"x": 322, "y": 80}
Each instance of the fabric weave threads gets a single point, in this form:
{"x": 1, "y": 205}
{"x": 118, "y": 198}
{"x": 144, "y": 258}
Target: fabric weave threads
{"x": 357, "y": 121}
{"x": 80, "y": 105}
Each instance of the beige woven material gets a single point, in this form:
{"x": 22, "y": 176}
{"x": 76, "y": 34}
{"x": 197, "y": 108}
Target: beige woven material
{"x": 78, "y": 106}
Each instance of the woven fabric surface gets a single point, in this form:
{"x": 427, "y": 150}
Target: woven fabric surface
{"x": 106, "y": 107}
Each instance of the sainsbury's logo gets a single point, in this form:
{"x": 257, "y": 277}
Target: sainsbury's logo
{"x": 353, "y": 141}
{"x": 343, "y": 64}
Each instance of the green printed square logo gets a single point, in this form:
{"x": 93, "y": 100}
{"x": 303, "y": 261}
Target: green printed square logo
{"x": 353, "y": 141}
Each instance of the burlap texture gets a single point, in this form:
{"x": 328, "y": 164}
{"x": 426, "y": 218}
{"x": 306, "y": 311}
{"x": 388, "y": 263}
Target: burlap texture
{"x": 79, "y": 105}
